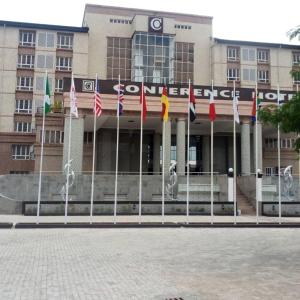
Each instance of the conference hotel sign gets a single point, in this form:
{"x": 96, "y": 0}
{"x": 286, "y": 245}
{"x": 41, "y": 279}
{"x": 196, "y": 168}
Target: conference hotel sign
{"x": 175, "y": 91}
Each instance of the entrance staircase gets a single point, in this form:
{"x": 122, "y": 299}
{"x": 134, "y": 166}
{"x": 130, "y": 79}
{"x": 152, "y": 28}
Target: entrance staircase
{"x": 244, "y": 204}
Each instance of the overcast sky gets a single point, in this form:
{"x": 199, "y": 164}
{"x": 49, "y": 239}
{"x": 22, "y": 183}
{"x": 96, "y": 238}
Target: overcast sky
{"x": 252, "y": 20}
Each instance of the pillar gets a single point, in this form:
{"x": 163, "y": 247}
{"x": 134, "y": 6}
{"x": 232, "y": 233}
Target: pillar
{"x": 259, "y": 146}
{"x": 76, "y": 150}
{"x": 245, "y": 148}
{"x": 206, "y": 153}
{"x": 156, "y": 153}
{"x": 167, "y": 141}
{"x": 180, "y": 146}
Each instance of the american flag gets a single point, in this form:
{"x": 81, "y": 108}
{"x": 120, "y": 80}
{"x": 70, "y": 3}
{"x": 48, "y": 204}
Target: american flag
{"x": 98, "y": 101}
{"x": 120, "y": 98}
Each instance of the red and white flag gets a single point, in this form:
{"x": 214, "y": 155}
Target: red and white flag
{"x": 73, "y": 99}
{"x": 212, "y": 110}
{"x": 98, "y": 101}
{"x": 143, "y": 103}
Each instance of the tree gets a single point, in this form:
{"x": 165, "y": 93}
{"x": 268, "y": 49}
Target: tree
{"x": 287, "y": 116}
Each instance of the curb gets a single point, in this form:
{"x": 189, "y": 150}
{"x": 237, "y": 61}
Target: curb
{"x": 152, "y": 225}
{"x": 6, "y": 225}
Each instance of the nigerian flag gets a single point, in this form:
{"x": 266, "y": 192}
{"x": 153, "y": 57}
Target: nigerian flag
{"x": 47, "y": 105}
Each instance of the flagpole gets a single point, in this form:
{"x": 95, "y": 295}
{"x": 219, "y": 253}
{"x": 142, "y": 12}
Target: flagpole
{"x": 117, "y": 153}
{"x": 256, "y": 153}
{"x": 279, "y": 163}
{"x": 297, "y": 90}
{"x": 163, "y": 173}
{"x": 212, "y": 164}
{"x": 68, "y": 162}
{"x": 41, "y": 158}
{"x": 94, "y": 150}
{"x": 141, "y": 154}
{"x": 234, "y": 158}
{"x": 188, "y": 160}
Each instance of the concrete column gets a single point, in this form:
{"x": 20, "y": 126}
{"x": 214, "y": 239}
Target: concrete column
{"x": 180, "y": 146}
{"x": 167, "y": 139}
{"x": 76, "y": 153}
{"x": 206, "y": 153}
{"x": 245, "y": 149}
{"x": 156, "y": 152}
{"x": 259, "y": 145}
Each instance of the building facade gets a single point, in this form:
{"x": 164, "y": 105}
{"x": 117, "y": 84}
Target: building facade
{"x": 161, "y": 48}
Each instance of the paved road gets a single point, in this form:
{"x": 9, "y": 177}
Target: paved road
{"x": 154, "y": 264}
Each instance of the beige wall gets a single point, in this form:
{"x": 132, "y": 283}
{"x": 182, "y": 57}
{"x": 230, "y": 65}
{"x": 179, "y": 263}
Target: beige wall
{"x": 8, "y": 63}
{"x": 280, "y": 66}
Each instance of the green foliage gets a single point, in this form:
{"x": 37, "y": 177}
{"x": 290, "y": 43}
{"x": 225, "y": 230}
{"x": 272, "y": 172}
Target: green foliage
{"x": 294, "y": 32}
{"x": 287, "y": 116}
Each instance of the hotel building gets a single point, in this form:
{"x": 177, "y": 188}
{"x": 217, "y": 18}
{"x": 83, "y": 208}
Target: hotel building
{"x": 161, "y": 48}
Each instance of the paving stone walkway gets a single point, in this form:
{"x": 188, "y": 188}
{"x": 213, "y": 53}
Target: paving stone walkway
{"x": 150, "y": 264}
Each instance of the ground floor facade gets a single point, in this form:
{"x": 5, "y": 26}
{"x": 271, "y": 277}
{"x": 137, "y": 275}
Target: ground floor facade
{"x": 21, "y": 152}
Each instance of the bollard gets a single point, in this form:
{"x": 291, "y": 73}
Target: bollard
{"x": 230, "y": 185}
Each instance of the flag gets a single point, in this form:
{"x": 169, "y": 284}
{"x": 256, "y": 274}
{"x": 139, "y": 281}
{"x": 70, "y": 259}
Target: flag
{"x": 212, "y": 110}
{"x": 192, "y": 104}
{"x": 120, "y": 98}
{"x": 73, "y": 100}
{"x": 143, "y": 102}
{"x": 256, "y": 103}
{"x": 98, "y": 101}
{"x": 235, "y": 109}
{"x": 47, "y": 104}
{"x": 279, "y": 100}
{"x": 165, "y": 105}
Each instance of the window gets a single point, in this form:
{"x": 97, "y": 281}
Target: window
{"x": 263, "y": 76}
{"x": 120, "y": 21}
{"x": 296, "y": 58}
{"x": 296, "y": 78}
{"x": 184, "y": 62}
{"x": 248, "y": 54}
{"x": 40, "y": 83}
{"x": 26, "y": 61}
{"x": 27, "y": 38}
{"x": 46, "y": 39}
{"x": 24, "y": 106}
{"x": 18, "y": 172}
{"x": 249, "y": 74}
{"x": 233, "y": 74}
{"x": 153, "y": 52}
{"x": 262, "y": 55}
{"x": 44, "y": 61}
{"x": 285, "y": 143}
{"x": 22, "y": 127}
{"x": 179, "y": 26}
{"x": 64, "y": 63}
{"x": 59, "y": 85}
{"x": 64, "y": 41}
{"x": 52, "y": 137}
{"x": 24, "y": 152}
{"x": 25, "y": 83}
{"x": 269, "y": 171}
{"x": 119, "y": 58}
{"x": 233, "y": 53}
